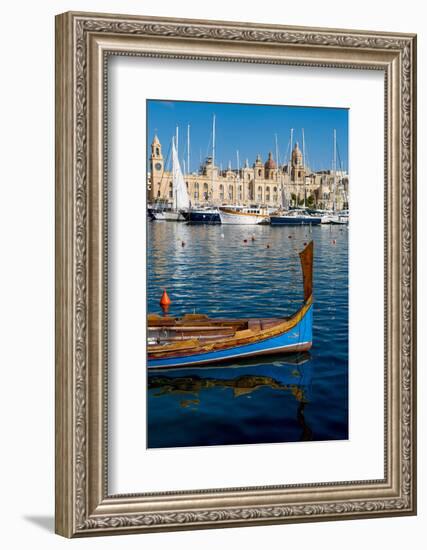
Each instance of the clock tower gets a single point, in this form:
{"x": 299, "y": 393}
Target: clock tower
{"x": 156, "y": 167}
{"x": 156, "y": 156}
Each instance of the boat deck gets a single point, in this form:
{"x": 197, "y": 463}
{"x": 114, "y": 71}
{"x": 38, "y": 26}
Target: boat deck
{"x": 162, "y": 330}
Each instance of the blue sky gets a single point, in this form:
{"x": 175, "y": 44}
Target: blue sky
{"x": 250, "y": 129}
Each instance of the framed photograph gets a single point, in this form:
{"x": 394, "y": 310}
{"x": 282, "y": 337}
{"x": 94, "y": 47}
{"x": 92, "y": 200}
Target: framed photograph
{"x": 235, "y": 274}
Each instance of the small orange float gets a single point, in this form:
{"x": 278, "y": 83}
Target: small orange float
{"x": 165, "y": 301}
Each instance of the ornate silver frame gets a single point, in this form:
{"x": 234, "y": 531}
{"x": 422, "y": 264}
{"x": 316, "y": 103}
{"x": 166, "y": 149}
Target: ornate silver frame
{"x": 83, "y": 42}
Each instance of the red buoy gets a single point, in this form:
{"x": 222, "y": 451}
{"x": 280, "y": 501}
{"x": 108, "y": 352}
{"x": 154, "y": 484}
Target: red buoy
{"x": 165, "y": 301}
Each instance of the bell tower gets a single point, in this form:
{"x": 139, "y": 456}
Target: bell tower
{"x": 297, "y": 169}
{"x": 156, "y": 167}
{"x": 258, "y": 168}
{"x": 156, "y": 156}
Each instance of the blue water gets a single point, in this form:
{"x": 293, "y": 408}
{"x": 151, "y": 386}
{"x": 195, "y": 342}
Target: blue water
{"x": 281, "y": 398}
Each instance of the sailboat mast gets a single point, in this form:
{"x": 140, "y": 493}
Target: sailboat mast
{"x": 278, "y": 174}
{"x": 176, "y": 138}
{"x": 303, "y": 165}
{"x": 303, "y": 148}
{"x": 213, "y": 140}
{"x": 174, "y": 186}
{"x": 290, "y": 152}
{"x": 188, "y": 149}
{"x": 334, "y": 167}
{"x": 213, "y": 152}
{"x": 238, "y": 174}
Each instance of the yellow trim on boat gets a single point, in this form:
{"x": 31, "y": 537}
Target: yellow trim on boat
{"x": 240, "y": 337}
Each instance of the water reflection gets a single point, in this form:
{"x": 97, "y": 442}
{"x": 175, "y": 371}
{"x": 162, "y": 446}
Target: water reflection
{"x": 291, "y": 375}
{"x": 269, "y": 399}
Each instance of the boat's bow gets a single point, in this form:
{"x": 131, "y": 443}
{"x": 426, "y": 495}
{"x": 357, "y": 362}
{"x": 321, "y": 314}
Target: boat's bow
{"x": 306, "y": 258}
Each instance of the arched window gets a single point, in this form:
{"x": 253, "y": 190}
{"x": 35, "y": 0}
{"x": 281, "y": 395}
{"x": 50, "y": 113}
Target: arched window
{"x": 221, "y": 192}
{"x": 240, "y": 193}
{"x": 230, "y": 192}
{"x": 196, "y": 190}
{"x": 205, "y": 191}
{"x": 267, "y": 194}
{"x": 259, "y": 172}
{"x": 259, "y": 194}
{"x": 275, "y": 194}
{"x": 170, "y": 190}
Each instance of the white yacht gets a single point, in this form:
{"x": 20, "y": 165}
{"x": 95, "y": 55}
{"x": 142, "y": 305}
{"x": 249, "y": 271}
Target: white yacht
{"x": 243, "y": 215}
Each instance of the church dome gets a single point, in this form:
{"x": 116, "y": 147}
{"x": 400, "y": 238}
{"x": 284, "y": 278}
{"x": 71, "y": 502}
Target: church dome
{"x": 270, "y": 164}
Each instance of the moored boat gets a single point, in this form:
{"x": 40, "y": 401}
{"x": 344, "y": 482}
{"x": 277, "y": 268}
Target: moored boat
{"x": 294, "y": 217}
{"x": 167, "y": 215}
{"x": 178, "y": 210}
{"x": 194, "y": 339}
{"x": 243, "y": 215}
{"x": 341, "y": 218}
{"x": 204, "y": 216}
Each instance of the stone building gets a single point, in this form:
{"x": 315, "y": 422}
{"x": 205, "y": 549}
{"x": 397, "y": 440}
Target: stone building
{"x": 262, "y": 183}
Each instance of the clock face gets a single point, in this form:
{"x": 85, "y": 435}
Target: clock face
{"x": 158, "y": 166}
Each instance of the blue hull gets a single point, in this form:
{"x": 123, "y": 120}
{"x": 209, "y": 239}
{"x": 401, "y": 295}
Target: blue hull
{"x": 203, "y": 217}
{"x": 150, "y": 213}
{"x": 297, "y": 339}
{"x": 294, "y": 220}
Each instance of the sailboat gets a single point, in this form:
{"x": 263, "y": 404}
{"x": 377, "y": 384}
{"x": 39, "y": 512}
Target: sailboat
{"x": 180, "y": 199}
{"x": 206, "y": 214}
{"x": 296, "y": 216}
{"x": 335, "y": 217}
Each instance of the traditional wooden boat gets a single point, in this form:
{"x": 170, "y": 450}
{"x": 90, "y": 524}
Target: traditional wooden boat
{"x": 195, "y": 339}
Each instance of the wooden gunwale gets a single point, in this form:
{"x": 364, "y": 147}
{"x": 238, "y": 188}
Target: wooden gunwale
{"x": 159, "y": 351}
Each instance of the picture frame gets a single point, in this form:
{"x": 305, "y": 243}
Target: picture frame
{"x": 84, "y": 42}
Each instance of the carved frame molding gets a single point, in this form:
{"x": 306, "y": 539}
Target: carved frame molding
{"x": 83, "y": 44}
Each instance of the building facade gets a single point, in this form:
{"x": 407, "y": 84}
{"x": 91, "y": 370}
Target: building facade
{"x": 263, "y": 183}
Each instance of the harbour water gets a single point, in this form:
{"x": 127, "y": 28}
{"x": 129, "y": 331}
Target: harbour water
{"x": 285, "y": 398}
